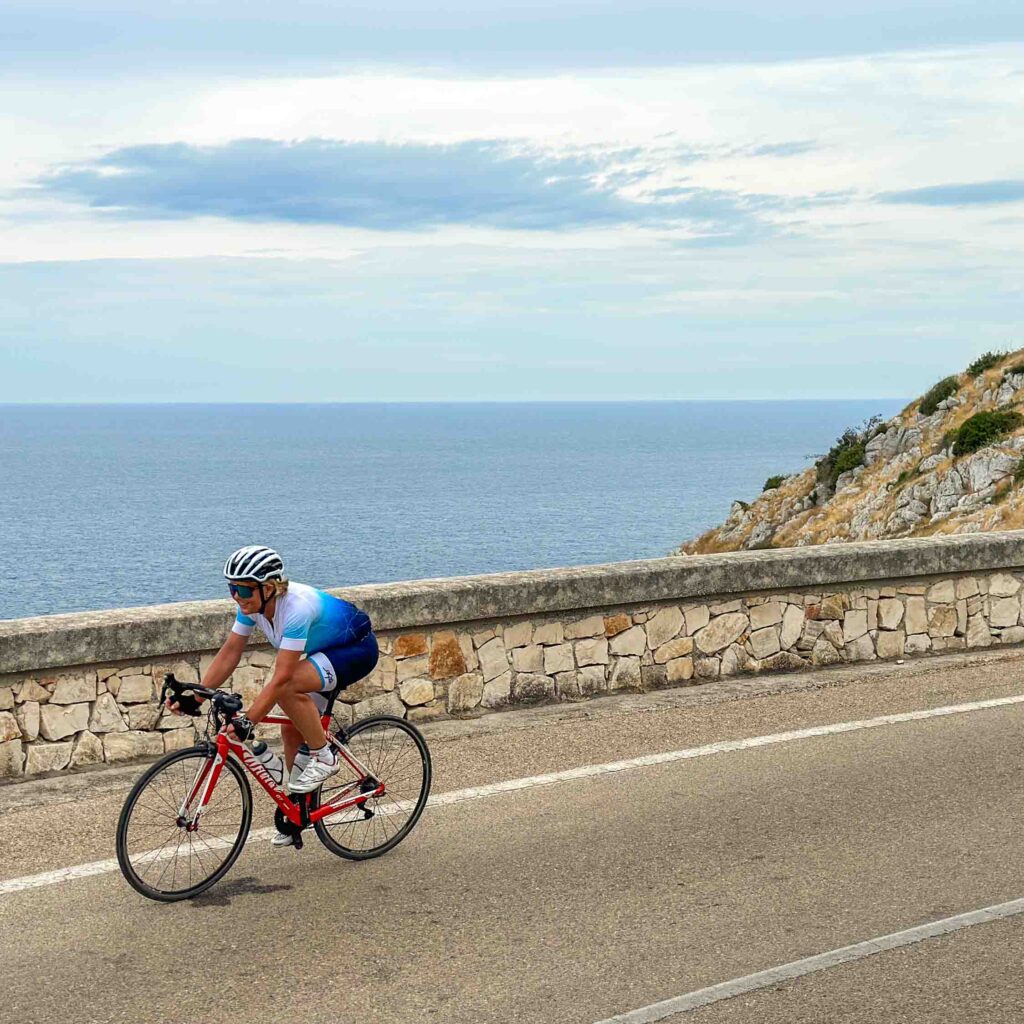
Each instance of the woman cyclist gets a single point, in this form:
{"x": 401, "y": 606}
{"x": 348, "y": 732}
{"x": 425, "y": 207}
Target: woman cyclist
{"x": 323, "y": 643}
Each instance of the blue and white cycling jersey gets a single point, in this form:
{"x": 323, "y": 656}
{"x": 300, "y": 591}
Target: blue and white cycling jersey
{"x": 308, "y": 620}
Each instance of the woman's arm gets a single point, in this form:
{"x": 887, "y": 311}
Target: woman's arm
{"x": 226, "y": 661}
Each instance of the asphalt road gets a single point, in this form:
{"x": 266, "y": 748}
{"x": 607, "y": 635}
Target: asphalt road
{"x": 578, "y": 901}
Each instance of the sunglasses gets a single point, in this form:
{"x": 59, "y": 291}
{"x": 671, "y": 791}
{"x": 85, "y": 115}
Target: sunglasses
{"x": 237, "y": 590}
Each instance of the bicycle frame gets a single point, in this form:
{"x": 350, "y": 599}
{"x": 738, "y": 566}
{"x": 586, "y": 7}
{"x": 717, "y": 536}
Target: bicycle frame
{"x": 298, "y": 813}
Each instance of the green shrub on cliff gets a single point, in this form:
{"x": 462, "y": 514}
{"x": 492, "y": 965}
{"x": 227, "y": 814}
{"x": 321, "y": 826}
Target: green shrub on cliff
{"x": 938, "y": 393}
{"x": 771, "y": 483}
{"x": 984, "y": 428}
{"x": 985, "y": 362}
{"x": 848, "y": 451}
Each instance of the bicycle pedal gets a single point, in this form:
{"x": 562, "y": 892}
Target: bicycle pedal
{"x": 297, "y": 843}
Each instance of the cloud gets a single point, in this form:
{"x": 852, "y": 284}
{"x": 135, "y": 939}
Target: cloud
{"x": 388, "y": 187}
{"x": 977, "y": 193}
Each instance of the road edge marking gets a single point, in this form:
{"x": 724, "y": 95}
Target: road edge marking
{"x": 101, "y": 867}
{"x": 811, "y": 965}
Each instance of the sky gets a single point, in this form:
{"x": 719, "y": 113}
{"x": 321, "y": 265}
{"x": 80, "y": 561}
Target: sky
{"x": 572, "y": 200}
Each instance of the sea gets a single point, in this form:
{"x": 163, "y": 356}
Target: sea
{"x": 106, "y": 506}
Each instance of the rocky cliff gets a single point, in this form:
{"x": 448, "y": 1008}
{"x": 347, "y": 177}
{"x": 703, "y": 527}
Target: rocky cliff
{"x": 951, "y": 462}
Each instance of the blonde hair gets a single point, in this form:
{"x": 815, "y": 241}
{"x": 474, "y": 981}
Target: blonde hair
{"x": 280, "y": 586}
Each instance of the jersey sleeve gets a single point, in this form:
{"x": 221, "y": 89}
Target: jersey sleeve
{"x": 296, "y": 629}
{"x": 243, "y": 625}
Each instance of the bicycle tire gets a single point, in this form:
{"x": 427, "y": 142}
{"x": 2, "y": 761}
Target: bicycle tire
{"x": 363, "y": 751}
{"x": 167, "y": 810}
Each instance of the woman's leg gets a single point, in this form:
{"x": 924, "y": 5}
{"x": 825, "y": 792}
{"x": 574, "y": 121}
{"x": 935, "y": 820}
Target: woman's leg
{"x": 291, "y": 740}
{"x": 298, "y": 706}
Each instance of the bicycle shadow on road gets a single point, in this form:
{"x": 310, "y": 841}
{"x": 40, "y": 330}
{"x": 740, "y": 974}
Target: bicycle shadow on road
{"x": 222, "y": 895}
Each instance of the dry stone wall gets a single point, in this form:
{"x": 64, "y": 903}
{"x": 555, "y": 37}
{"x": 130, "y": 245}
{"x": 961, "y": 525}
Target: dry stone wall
{"x": 70, "y": 716}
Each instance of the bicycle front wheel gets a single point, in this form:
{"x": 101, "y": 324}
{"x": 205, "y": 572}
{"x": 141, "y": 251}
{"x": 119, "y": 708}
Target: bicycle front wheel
{"x": 396, "y": 755}
{"x": 163, "y": 852}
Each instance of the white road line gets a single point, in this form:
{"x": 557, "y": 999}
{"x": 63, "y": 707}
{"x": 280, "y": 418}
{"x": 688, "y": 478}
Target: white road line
{"x": 102, "y": 867}
{"x": 812, "y": 964}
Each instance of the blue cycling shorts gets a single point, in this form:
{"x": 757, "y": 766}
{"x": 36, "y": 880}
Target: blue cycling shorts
{"x": 342, "y": 666}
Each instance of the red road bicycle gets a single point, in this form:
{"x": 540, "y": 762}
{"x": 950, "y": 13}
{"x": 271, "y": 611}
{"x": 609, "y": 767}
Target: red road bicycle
{"x": 186, "y": 820}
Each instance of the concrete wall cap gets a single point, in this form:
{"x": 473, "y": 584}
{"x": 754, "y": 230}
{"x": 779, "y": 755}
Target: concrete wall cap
{"x": 88, "y": 638}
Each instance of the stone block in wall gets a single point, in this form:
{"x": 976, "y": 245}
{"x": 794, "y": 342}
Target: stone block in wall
{"x": 12, "y": 758}
{"x": 735, "y": 659}
{"x": 961, "y": 618}
{"x": 6, "y": 697}
{"x": 410, "y": 645}
{"x": 624, "y": 674}
{"x": 31, "y": 689}
{"x": 823, "y": 653}
{"x": 978, "y": 633}
{"x": 862, "y": 649}
{"x": 784, "y": 661}
{"x": 381, "y": 704}
{"x": 792, "y": 625}
{"x": 183, "y": 671}
{"x": 832, "y": 607}
{"x": 529, "y": 659}
{"x": 169, "y": 722}
{"x": 916, "y": 615}
{"x": 591, "y": 680}
{"x": 127, "y": 746}
{"x": 707, "y": 668}
{"x": 678, "y": 670}
{"x": 833, "y": 632}
{"x": 666, "y": 624}
{"x": 567, "y": 687}
{"x": 469, "y": 652}
{"x": 178, "y": 739}
{"x": 719, "y": 633}
{"x": 46, "y": 757}
{"x": 416, "y": 691}
{"x": 56, "y": 722}
{"x": 74, "y": 689}
{"x": 518, "y": 635}
{"x": 678, "y": 648}
{"x": 527, "y": 688}
{"x": 9, "y": 727}
{"x": 696, "y": 616}
{"x": 558, "y": 659}
{"x": 890, "y": 613}
{"x": 855, "y": 624}
{"x": 484, "y": 636}
{"x": 1003, "y": 585}
{"x": 106, "y": 715}
{"x": 653, "y": 677}
{"x": 764, "y": 642}
{"x": 917, "y": 643}
{"x": 1005, "y": 612}
{"x": 726, "y": 607}
{"x": 631, "y": 641}
{"x": 498, "y": 692}
{"x": 247, "y": 681}
{"x": 593, "y": 625}
{"x": 592, "y": 652}
{"x": 28, "y": 720}
{"x": 941, "y": 620}
{"x": 135, "y": 689}
{"x": 1012, "y": 635}
{"x": 446, "y": 660}
{"x": 493, "y": 659}
{"x": 912, "y": 589}
{"x": 143, "y": 717}
{"x": 87, "y": 749}
{"x": 409, "y": 668}
{"x": 943, "y": 592}
{"x": 432, "y": 713}
{"x": 549, "y": 633}
{"x": 966, "y": 586}
{"x": 465, "y": 693}
{"x": 890, "y": 644}
{"x": 616, "y": 624}
{"x": 767, "y": 614}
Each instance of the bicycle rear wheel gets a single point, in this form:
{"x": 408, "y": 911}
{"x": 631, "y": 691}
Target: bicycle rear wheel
{"x": 162, "y": 854}
{"x": 397, "y": 756}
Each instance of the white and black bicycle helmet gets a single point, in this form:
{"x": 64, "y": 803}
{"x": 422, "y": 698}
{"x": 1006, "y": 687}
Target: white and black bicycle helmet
{"x": 254, "y": 562}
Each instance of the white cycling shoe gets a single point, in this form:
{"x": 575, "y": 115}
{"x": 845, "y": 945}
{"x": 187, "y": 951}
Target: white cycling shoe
{"x": 282, "y": 839}
{"x": 315, "y": 774}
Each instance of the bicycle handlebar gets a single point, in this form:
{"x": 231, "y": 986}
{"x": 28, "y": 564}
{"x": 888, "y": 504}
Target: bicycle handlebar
{"x": 224, "y": 703}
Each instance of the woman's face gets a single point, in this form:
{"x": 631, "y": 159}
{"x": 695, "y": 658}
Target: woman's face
{"x": 247, "y": 596}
